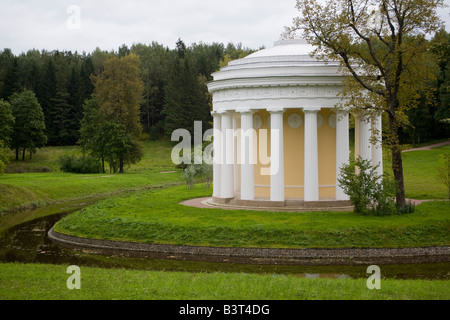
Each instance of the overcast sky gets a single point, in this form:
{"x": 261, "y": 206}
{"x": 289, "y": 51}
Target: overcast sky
{"x": 83, "y": 25}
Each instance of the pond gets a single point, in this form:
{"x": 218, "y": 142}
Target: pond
{"x": 27, "y": 242}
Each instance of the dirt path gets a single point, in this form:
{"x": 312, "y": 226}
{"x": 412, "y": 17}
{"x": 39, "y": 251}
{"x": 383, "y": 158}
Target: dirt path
{"x": 441, "y": 144}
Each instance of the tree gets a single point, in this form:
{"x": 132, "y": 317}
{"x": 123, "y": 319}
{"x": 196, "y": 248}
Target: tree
{"x": 46, "y": 94}
{"x": 29, "y": 126}
{"x": 154, "y": 73}
{"x": 381, "y": 45}
{"x": 185, "y": 98}
{"x": 119, "y": 92}
{"x": 6, "y": 127}
{"x": 12, "y": 79}
{"x": 441, "y": 47}
{"x": 90, "y": 133}
{"x": 6, "y": 121}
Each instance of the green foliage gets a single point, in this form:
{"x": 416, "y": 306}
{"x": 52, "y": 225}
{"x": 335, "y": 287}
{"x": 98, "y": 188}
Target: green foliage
{"x": 6, "y": 121}
{"x": 370, "y": 193}
{"x": 185, "y": 100}
{"x": 110, "y": 128}
{"x": 83, "y": 164}
{"x": 29, "y": 126}
{"x": 4, "y": 159}
{"x": 193, "y": 173}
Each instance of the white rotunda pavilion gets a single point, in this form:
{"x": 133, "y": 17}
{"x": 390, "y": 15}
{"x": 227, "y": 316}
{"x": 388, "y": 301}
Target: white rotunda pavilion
{"x": 278, "y": 141}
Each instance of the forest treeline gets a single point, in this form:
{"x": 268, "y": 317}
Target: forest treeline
{"x": 174, "y": 84}
{"x": 174, "y": 87}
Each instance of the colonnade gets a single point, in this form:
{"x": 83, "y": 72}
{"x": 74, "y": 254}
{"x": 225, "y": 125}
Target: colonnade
{"x": 226, "y": 148}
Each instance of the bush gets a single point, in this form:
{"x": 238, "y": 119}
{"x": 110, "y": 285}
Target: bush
{"x": 203, "y": 172}
{"x": 370, "y": 193}
{"x": 84, "y": 164}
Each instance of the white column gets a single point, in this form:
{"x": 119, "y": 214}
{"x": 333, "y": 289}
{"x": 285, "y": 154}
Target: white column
{"x": 226, "y": 172}
{"x": 364, "y": 134}
{"x": 217, "y": 146}
{"x": 276, "y": 155}
{"x": 247, "y": 156}
{"x": 342, "y": 149}
{"x": 237, "y": 152}
{"x": 377, "y": 149}
{"x": 311, "y": 156}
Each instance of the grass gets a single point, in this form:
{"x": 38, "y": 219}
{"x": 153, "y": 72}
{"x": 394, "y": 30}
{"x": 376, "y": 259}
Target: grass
{"x": 157, "y": 217}
{"x": 28, "y": 190}
{"x": 37, "y": 189}
{"x": 48, "y": 282}
{"x": 420, "y": 174}
{"x": 156, "y": 156}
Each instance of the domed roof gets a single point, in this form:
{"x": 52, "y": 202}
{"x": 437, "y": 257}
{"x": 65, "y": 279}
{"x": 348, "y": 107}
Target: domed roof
{"x": 283, "y": 53}
{"x": 283, "y": 48}
{"x": 288, "y": 61}
{"x": 283, "y": 76}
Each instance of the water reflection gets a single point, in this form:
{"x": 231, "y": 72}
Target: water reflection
{"x": 28, "y": 243}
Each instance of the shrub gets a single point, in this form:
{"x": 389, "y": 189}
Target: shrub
{"x": 84, "y": 164}
{"x": 202, "y": 172}
{"x": 370, "y": 193}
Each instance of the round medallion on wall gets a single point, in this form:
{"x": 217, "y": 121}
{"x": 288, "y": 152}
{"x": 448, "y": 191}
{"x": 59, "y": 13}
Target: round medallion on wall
{"x": 295, "y": 120}
{"x": 257, "y": 121}
{"x": 319, "y": 120}
{"x": 332, "y": 121}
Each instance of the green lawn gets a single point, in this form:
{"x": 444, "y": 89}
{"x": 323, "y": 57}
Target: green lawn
{"x": 420, "y": 173}
{"x": 44, "y": 282}
{"x": 156, "y": 156}
{"x": 36, "y": 189}
{"x": 157, "y": 217}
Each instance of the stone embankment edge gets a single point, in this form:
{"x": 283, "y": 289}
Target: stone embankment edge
{"x": 258, "y": 256}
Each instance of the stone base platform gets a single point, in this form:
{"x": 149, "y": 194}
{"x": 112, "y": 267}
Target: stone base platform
{"x": 266, "y": 205}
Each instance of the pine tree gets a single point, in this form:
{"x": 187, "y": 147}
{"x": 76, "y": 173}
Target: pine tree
{"x": 12, "y": 80}
{"x": 185, "y": 98}
{"x": 46, "y": 96}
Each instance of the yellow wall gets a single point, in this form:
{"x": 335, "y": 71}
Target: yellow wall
{"x": 326, "y": 137}
{"x": 294, "y": 157}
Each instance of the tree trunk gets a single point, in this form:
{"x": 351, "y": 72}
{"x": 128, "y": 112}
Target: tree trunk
{"x": 31, "y": 154}
{"x": 103, "y": 164}
{"x": 397, "y": 163}
{"x": 121, "y": 165}
{"x": 17, "y": 154}
{"x": 23, "y": 155}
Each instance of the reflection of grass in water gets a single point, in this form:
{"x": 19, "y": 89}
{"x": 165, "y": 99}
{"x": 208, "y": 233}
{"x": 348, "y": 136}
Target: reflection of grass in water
{"x": 400, "y": 271}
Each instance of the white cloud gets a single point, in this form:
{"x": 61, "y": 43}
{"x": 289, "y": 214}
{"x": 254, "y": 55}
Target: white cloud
{"x": 27, "y": 24}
